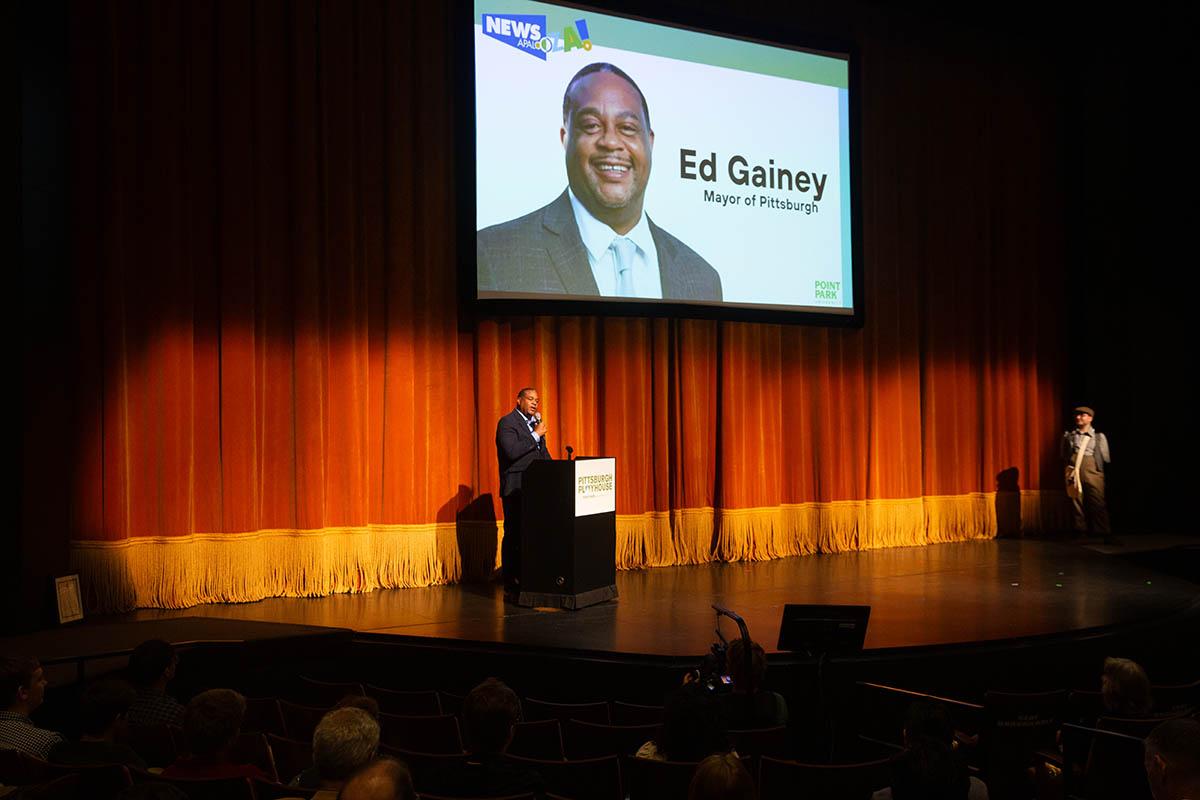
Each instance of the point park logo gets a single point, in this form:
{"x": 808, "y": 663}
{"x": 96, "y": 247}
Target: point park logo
{"x": 527, "y": 32}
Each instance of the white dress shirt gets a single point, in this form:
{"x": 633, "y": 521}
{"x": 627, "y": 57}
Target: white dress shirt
{"x": 597, "y": 240}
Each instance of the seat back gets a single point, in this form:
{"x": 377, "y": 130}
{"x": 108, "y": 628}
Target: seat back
{"x": 633, "y": 714}
{"x": 540, "y": 739}
{"x": 432, "y": 734}
{"x": 64, "y": 787}
{"x": 1103, "y": 765}
{"x": 1130, "y": 726}
{"x": 156, "y": 744}
{"x": 265, "y": 790}
{"x": 1084, "y": 707}
{"x": 585, "y": 779}
{"x": 299, "y": 721}
{"x": 95, "y": 782}
{"x": 775, "y": 742}
{"x": 881, "y": 711}
{"x": 206, "y": 788}
{"x": 314, "y": 693}
{"x": 22, "y": 769}
{"x": 1017, "y": 724}
{"x": 252, "y": 748}
{"x": 262, "y": 716}
{"x": 451, "y": 703}
{"x": 787, "y": 780}
{"x": 657, "y": 780}
{"x": 292, "y": 756}
{"x": 1174, "y": 701}
{"x": 425, "y": 767}
{"x": 593, "y": 740}
{"x": 422, "y": 703}
{"x": 587, "y": 712}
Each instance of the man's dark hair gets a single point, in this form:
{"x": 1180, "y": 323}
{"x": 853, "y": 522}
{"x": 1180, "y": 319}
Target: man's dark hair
{"x": 213, "y": 718}
{"x": 382, "y": 778}
{"x": 521, "y": 393}
{"x": 601, "y": 66}
{"x": 149, "y": 661}
{"x": 489, "y": 713}
{"x": 1177, "y": 741}
{"x": 15, "y": 672}
{"x": 735, "y": 663}
{"x": 102, "y": 702}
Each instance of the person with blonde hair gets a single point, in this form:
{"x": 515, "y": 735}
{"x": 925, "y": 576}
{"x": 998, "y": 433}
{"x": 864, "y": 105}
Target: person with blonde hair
{"x": 722, "y": 777}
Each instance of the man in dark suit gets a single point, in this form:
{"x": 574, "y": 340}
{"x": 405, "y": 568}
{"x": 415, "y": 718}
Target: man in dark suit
{"x": 594, "y": 239}
{"x": 520, "y": 440}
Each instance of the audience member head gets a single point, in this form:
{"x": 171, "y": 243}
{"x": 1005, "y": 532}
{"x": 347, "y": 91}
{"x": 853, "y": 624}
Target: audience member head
{"x": 1125, "y": 688}
{"x": 1173, "y": 759}
{"x": 928, "y": 769}
{"x": 735, "y": 665}
{"x": 489, "y": 713}
{"x": 103, "y": 704}
{"x": 722, "y": 777}
{"x": 691, "y": 725}
{"x": 931, "y": 720}
{"x": 152, "y": 661}
{"x": 344, "y": 742}
{"x": 364, "y": 701}
{"x": 382, "y": 779}
{"x": 22, "y": 683}
{"x": 213, "y": 720}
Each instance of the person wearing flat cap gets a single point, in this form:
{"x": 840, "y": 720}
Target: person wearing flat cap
{"x": 1085, "y": 454}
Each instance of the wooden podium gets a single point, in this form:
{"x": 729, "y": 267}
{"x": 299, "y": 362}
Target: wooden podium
{"x": 568, "y": 533}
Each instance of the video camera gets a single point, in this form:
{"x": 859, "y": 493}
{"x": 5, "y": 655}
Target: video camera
{"x": 712, "y": 672}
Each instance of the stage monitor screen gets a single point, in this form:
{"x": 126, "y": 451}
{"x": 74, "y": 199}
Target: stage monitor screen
{"x": 628, "y": 166}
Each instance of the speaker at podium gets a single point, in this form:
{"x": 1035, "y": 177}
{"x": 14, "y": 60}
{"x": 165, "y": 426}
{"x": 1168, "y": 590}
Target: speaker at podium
{"x": 569, "y": 533}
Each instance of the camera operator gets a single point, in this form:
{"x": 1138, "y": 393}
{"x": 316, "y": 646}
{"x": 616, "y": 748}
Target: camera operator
{"x": 749, "y": 706}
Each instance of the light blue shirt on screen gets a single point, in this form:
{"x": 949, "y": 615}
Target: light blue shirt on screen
{"x": 597, "y": 240}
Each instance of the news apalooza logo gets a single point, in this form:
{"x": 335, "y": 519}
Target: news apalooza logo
{"x": 528, "y": 32}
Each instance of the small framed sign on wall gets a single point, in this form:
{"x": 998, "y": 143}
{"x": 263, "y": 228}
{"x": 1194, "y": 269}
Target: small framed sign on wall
{"x": 70, "y": 599}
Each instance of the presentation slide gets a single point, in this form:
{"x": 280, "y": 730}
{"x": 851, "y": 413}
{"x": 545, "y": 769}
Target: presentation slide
{"x": 621, "y": 159}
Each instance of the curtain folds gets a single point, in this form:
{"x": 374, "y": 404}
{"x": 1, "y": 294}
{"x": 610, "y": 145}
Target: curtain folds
{"x": 277, "y": 393}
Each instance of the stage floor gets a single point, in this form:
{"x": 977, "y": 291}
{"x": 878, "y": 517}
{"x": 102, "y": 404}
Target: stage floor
{"x": 936, "y": 595}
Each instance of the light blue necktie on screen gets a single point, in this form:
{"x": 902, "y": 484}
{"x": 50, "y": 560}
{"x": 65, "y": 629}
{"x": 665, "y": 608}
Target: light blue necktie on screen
{"x": 623, "y": 250}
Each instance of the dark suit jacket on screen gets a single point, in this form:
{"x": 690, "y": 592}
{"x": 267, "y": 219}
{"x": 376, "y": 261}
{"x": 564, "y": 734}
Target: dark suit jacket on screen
{"x": 516, "y": 450}
{"x": 543, "y": 252}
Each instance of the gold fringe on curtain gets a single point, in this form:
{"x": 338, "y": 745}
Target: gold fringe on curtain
{"x": 177, "y": 572}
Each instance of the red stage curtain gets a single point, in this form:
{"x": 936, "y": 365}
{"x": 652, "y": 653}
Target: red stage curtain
{"x": 277, "y": 393}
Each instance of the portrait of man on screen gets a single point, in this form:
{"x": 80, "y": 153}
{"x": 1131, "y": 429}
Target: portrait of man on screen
{"x": 595, "y": 238}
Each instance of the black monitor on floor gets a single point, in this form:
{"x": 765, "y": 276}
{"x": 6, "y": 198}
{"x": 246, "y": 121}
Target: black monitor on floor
{"x": 818, "y": 629}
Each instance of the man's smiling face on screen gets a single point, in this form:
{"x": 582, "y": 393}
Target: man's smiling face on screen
{"x": 608, "y": 143}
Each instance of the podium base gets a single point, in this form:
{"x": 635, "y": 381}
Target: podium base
{"x": 571, "y": 601}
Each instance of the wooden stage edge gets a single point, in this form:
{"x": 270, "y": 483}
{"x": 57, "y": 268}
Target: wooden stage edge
{"x": 943, "y": 600}
{"x": 977, "y": 593}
